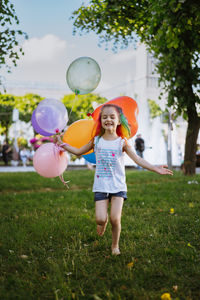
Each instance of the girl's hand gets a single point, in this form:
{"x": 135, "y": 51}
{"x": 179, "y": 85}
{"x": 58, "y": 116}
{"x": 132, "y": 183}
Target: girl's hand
{"x": 57, "y": 140}
{"x": 163, "y": 170}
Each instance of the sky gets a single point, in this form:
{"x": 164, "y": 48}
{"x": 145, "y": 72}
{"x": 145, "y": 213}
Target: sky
{"x": 51, "y": 48}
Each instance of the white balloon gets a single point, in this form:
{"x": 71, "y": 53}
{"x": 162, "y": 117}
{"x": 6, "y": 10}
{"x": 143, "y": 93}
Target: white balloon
{"x": 83, "y": 75}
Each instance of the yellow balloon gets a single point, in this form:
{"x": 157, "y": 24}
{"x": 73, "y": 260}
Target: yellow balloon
{"x": 79, "y": 133}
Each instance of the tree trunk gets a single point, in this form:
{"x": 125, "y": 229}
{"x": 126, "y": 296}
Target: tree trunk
{"x": 189, "y": 167}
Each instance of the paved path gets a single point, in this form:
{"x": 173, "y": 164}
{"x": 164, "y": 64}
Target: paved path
{"x": 31, "y": 169}
{"x": 17, "y": 169}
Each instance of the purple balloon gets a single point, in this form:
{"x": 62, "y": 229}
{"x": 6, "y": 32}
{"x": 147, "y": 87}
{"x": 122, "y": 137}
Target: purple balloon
{"x": 51, "y": 115}
{"x": 36, "y": 126}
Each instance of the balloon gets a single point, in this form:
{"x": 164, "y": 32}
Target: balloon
{"x": 91, "y": 158}
{"x": 79, "y": 133}
{"x": 130, "y": 110}
{"x": 83, "y": 75}
{"x": 51, "y": 115}
{"x": 36, "y": 127}
{"x": 49, "y": 161}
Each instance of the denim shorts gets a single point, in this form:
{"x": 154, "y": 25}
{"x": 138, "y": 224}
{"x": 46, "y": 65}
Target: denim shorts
{"x": 104, "y": 196}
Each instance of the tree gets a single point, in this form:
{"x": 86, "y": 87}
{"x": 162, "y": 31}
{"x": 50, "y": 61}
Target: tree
{"x": 25, "y": 104}
{"x": 170, "y": 29}
{"x": 79, "y": 106}
{"x": 9, "y": 44}
{"x": 6, "y": 109}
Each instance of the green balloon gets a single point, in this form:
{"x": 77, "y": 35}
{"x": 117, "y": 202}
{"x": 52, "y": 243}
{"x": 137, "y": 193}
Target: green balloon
{"x": 83, "y": 75}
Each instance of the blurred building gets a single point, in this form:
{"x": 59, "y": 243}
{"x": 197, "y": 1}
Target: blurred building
{"x": 159, "y": 136}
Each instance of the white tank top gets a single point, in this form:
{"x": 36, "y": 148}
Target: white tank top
{"x": 110, "y": 170}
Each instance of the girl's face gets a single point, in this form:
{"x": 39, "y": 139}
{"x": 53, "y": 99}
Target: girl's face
{"x": 109, "y": 119}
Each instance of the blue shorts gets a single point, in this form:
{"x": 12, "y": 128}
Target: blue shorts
{"x": 104, "y": 196}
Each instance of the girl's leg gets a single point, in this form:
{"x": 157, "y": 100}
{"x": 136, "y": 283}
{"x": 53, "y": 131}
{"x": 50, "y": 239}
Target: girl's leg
{"x": 115, "y": 219}
{"x": 101, "y": 208}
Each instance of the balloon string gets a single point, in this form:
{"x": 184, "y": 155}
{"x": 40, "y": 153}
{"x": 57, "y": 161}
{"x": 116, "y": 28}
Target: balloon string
{"x": 63, "y": 181}
{"x": 57, "y": 149}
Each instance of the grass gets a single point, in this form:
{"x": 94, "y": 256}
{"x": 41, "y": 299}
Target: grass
{"x": 49, "y": 248}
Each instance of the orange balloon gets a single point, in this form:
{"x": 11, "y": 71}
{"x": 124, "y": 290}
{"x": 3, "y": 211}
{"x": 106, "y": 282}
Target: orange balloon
{"x": 130, "y": 110}
{"x": 79, "y": 133}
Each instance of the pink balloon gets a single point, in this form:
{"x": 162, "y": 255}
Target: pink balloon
{"x": 49, "y": 161}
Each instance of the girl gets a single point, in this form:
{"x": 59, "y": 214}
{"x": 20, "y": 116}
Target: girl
{"x": 109, "y": 185}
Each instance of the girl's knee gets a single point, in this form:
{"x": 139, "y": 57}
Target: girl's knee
{"x": 115, "y": 221}
{"x": 101, "y": 220}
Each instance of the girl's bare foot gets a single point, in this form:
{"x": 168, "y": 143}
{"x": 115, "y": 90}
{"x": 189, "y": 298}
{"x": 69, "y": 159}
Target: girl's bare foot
{"x": 115, "y": 251}
{"x": 101, "y": 228}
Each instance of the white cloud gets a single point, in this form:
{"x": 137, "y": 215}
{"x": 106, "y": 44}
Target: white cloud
{"x": 45, "y": 60}
{"x": 41, "y": 50}
{"x": 122, "y": 57}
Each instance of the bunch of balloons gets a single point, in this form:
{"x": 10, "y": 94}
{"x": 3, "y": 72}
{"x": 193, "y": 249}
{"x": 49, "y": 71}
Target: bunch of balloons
{"x": 49, "y": 118}
{"x": 83, "y": 76}
{"x": 81, "y": 132}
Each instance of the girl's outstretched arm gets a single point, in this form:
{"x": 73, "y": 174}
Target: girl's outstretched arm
{"x": 145, "y": 164}
{"x": 74, "y": 150}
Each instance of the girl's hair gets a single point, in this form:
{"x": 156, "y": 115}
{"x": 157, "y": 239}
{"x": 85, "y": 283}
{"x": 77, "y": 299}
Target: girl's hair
{"x": 123, "y": 130}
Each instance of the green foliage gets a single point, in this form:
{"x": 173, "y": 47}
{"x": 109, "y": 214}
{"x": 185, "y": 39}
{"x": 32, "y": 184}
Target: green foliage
{"x": 109, "y": 19}
{"x": 155, "y": 109}
{"x": 9, "y": 37}
{"x": 78, "y": 106}
{"x": 25, "y": 104}
{"x": 22, "y": 142}
{"x": 50, "y": 250}
{"x": 6, "y": 109}
{"x": 170, "y": 29}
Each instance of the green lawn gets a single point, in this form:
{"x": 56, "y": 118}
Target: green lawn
{"x": 49, "y": 248}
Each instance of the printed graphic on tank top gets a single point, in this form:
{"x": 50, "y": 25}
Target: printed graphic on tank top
{"x": 110, "y": 170}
